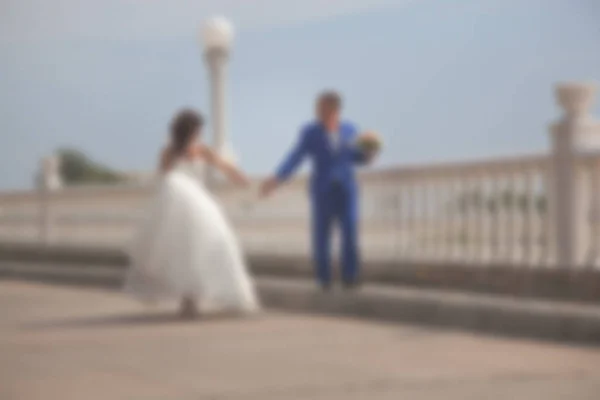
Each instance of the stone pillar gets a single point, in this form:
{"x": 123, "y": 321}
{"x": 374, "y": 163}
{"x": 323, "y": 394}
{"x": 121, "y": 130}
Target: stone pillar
{"x": 218, "y": 35}
{"x": 567, "y": 198}
{"x": 48, "y": 180}
{"x": 217, "y": 63}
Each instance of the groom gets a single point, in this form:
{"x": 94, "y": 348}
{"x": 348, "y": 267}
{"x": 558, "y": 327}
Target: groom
{"x": 330, "y": 143}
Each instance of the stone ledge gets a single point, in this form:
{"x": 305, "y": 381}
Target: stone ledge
{"x": 526, "y": 282}
{"x": 494, "y": 314}
{"x": 77, "y": 255}
{"x": 438, "y": 308}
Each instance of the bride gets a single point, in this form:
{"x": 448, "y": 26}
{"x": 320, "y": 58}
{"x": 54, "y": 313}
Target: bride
{"x": 185, "y": 248}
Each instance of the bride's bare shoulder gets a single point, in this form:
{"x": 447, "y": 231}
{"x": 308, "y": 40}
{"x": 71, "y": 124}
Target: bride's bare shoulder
{"x": 203, "y": 152}
{"x": 166, "y": 157}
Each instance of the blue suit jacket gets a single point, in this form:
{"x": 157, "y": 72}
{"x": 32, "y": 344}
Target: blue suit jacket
{"x": 327, "y": 163}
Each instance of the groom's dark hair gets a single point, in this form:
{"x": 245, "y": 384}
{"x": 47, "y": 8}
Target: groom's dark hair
{"x": 331, "y": 98}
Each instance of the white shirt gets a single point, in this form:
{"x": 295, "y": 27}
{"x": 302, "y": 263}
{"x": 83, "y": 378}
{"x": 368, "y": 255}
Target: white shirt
{"x": 334, "y": 139}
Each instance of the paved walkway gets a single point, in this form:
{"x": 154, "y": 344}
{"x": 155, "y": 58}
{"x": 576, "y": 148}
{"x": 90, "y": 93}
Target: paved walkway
{"x": 82, "y": 344}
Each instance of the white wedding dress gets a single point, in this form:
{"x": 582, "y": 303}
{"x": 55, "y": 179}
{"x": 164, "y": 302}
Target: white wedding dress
{"x": 185, "y": 247}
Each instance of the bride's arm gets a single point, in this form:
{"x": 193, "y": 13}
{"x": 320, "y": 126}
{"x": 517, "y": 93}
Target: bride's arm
{"x": 232, "y": 172}
{"x": 164, "y": 163}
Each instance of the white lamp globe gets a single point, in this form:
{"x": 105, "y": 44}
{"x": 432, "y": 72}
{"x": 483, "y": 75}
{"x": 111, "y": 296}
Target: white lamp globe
{"x": 217, "y": 33}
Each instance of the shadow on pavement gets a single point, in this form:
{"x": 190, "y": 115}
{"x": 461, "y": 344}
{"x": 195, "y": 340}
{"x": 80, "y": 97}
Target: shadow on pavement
{"x": 139, "y": 319}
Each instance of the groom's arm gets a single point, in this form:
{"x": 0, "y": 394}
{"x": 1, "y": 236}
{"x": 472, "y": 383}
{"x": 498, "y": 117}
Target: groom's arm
{"x": 294, "y": 157}
{"x": 289, "y": 165}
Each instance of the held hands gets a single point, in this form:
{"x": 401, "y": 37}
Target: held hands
{"x": 268, "y": 187}
{"x": 240, "y": 179}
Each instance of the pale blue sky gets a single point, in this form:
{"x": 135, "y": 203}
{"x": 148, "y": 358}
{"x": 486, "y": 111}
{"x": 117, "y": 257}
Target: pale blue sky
{"x": 441, "y": 79}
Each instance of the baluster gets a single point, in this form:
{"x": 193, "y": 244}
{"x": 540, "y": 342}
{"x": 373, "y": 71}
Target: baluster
{"x": 434, "y": 218}
{"x": 470, "y": 216}
{"x": 454, "y": 236}
{"x": 527, "y": 227}
{"x": 410, "y": 236}
{"x": 438, "y": 217}
{"x": 512, "y": 212}
{"x": 464, "y": 219}
{"x": 592, "y": 258}
{"x": 397, "y": 220}
{"x": 384, "y": 234}
{"x": 503, "y": 223}
{"x": 380, "y": 213}
{"x": 494, "y": 227}
{"x": 544, "y": 205}
{"x": 374, "y": 220}
{"x": 479, "y": 222}
{"x": 441, "y": 219}
{"x": 366, "y": 212}
{"x": 427, "y": 216}
{"x": 419, "y": 225}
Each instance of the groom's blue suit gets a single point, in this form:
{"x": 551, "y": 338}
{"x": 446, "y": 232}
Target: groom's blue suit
{"x": 334, "y": 193}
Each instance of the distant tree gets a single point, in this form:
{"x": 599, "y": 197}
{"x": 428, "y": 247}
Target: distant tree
{"x": 77, "y": 168}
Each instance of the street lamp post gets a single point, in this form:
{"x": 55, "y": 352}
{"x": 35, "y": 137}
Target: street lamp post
{"x": 217, "y": 35}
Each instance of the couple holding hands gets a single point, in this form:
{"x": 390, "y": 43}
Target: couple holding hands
{"x": 187, "y": 250}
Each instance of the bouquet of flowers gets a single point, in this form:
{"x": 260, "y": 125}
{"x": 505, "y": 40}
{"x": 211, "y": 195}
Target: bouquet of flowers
{"x": 369, "y": 142}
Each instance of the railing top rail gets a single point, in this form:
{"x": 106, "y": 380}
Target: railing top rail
{"x": 76, "y": 191}
{"x": 437, "y": 170}
{"x": 448, "y": 169}
{"x": 500, "y": 165}
{"x": 84, "y": 191}
{"x": 590, "y": 157}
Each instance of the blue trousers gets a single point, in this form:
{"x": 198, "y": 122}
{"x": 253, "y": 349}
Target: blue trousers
{"x": 335, "y": 205}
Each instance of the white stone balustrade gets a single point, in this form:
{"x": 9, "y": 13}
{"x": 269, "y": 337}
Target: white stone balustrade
{"x": 531, "y": 211}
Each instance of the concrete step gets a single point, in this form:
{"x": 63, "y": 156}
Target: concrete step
{"x": 540, "y": 281}
{"x": 496, "y": 314}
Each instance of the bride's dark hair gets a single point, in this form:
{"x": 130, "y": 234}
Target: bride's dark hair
{"x": 184, "y": 127}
